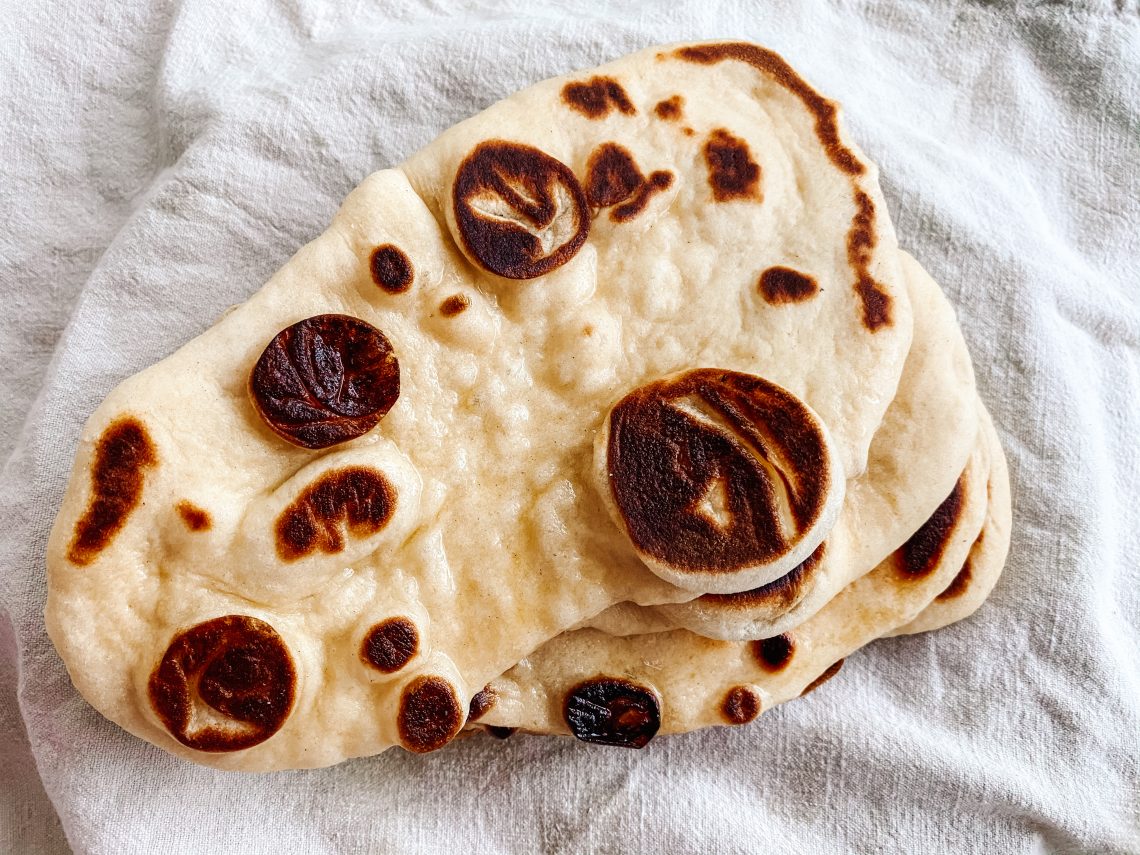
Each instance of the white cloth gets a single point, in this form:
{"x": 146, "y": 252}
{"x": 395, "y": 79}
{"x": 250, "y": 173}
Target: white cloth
{"x": 160, "y": 160}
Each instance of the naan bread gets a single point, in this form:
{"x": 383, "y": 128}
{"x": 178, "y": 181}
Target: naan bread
{"x": 621, "y": 690}
{"x": 926, "y": 436}
{"x": 319, "y": 528}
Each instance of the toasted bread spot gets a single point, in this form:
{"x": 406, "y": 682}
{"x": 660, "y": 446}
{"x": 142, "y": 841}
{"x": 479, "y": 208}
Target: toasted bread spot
{"x": 670, "y": 440}
{"x": 670, "y": 109}
{"x": 325, "y": 380}
{"x": 781, "y": 594}
{"x": 122, "y": 455}
{"x": 453, "y": 305}
{"x": 920, "y": 555}
{"x": 612, "y": 711}
{"x": 687, "y": 131}
{"x": 500, "y": 732}
{"x": 774, "y": 654}
{"x": 390, "y": 644}
{"x": 773, "y": 65}
{"x": 224, "y": 685}
{"x": 519, "y": 212}
{"x": 430, "y": 715}
{"x": 822, "y": 678}
{"x": 740, "y": 705}
{"x": 597, "y": 97}
{"x": 391, "y": 269}
{"x": 658, "y": 181}
{"x": 779, "y": 285}
{"x": 195, "y": 518}
{"x": 481, "y": 702}
{"x": 733, "y": 174}
{"x": 357, "y": 499}
{"x": 612, "y": 175}
{"x": 860, "y": 242}
{"x": 960, "y": 584}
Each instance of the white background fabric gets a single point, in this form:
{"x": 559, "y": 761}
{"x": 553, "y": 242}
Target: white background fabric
{"x": 158, "y": 161}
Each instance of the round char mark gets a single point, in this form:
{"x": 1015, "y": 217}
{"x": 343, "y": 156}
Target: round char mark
{"x": 713, "y": 471}
{"x": 390, "y": 645}
{"x": 358, "y": 498}
{"x": 822, "y": 678}
{"x": 597, "y": 97}
{"x": 481, "y": 702}
{"x": 741, "y": 705}
{"x": 920, "y": 555}
{"x": 325, "y": 380}
{"x": 430, "y": 715}
{"x": 860, "y": 244}
{"x": 239, "y": 667}
{"x": 733, "y": 174}
{"x": 453, "y": 305}
{"x": 774, "y": 66}
{"x": 610, "y": 711}
{"x": 391, "y": 269}
{"x": 519, "y": 212}
{"x": 774, "y": 654}
{"x": 780, "y": 285}
{"x": 669, "y": 110}
{"x": 123, "y": 453}
{"x": 193, "y": 516}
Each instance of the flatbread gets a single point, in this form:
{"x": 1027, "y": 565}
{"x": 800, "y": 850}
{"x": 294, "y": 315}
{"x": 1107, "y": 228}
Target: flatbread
{"x": 983, "y": 566}
{"x": 621, "y": 690}
{"x": 319, "y": 528}
{"x": 926, "y": 436}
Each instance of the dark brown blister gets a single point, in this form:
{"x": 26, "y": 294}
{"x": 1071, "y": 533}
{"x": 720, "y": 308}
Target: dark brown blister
{"x": 122, "y": 455}
{"x": 861, "y": 241}
{"x": 193, "y": 516}
{"x": 430, "y": 715}
{"x": 774, "y": 654}
{"x": 675, "y": 442}
{"x": 500, "y": 732}
{"x": 822, "y": 678}
{"x": 779, "y": 285}
{"x": 507, "y": 198}
{"x": 597, "y": 97}
{"x": 390, "y": 644}
{"x": 454, "y": 305}
{"x": 391, "y": 269}
{"x": 922, "y": 552}
{"x": 238, "y": 666}
{"x": 609, "y": 711}
{"x": 733, "y": 174}
{"x": 613, "y": 179}
{"x": 325, "y": 380}
{"x": 740, "y": 705}
{"x": 481, "y": 702}
{"x": 357, "y": 499}
{"x": 779, "y": 595}
{"x": 669, "y": 109}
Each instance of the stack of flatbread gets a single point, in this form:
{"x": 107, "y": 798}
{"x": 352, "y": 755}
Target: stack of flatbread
{"x": 615, "y": 411}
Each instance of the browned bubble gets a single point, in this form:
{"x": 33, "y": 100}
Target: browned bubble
{"x": 774, "y": 66}
{"x": 123, "y": 453}
{"x": 784, "y": 285}
{"x": 670, "y": 108}
{"x": 612, "y": 711}
{"x": 822, "y": 678}
{"x": 596, "y": 97}
{"x": 430, "y": 715}
{"x": 778, "y": 596}
{"x": 733, "y": 174}
{"x": 658, "y": 181}
{"x": 740, "y": 705}
{"x": 676, "y": 442}
{"x": 325, "y": 380}
{"x": 860, "y": 243}
{"x": 357, "y": 499}
{"x": 238, "y": 666}
{"x": 390, "y": 644}
{"x": 920, "y": 555}
{"x": 193, "y": 516}
{"x": 454, "y": 305}
{"x": 391, "y": 269}
{"x": 505, "y": 196}
{"x": 773, "y": 654}
{"x": 481, "y": 702}
{"x": 614, "y": 179}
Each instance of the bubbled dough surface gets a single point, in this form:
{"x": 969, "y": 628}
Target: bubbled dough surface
{"x": 917, "y": 454}
{"x": 508, "y": 545}
{"x": 691, "y": 674}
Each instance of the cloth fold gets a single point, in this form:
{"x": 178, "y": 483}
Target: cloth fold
{"x": 162, "y": 160}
